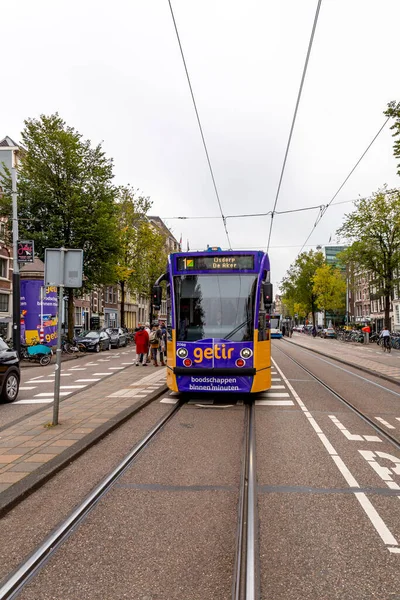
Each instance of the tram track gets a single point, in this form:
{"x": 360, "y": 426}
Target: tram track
{"x": 15, "y": 583}
{"x": 387, "y": 436}
{"x": 245, "y": 573}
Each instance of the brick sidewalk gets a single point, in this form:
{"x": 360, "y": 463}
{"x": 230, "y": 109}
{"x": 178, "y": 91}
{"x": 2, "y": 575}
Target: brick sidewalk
{"x": 369, "y": 357}
{"x": 30, "y": 450}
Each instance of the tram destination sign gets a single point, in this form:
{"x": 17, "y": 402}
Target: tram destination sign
{"x": 222, "y": 262}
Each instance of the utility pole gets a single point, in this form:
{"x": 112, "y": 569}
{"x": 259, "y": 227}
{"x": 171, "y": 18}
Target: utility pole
{"x": 16, "y": 278}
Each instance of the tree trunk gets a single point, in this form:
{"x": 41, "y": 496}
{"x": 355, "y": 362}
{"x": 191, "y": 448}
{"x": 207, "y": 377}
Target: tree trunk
{"x": 122, "y": 284}
{"x": 387, "y": 311}
{"x": 71, "y": 314}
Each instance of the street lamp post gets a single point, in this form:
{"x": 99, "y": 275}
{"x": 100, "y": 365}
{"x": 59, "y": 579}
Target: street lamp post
{"x": 16, "y": 277}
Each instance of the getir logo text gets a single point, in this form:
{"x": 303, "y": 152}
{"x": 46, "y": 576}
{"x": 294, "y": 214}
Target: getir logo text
{"x": 219, "y": 351}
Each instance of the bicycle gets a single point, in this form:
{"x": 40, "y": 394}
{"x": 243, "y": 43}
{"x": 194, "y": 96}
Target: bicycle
{"x": 387, "y": 346}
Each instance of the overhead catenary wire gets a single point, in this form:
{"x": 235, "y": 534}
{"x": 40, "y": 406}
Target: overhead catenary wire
{"x": 294, "y": 117}
{"x": 344, "y": 182}
{"x": 199, "y": 123}
{"x": 266, "y": 214}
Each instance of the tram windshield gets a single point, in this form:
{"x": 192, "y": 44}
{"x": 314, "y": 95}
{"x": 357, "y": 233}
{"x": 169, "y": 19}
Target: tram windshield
{"x": 215, "y": 306}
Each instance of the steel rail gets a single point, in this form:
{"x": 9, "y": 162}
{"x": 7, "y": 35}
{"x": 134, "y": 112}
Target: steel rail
{"x": 12, "y": 586}
{"x": 246, "y": 581}
{"x": 349, "y": 405}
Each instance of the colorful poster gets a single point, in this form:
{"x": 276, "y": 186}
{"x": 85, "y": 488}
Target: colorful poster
{"x": 33, "y": 313}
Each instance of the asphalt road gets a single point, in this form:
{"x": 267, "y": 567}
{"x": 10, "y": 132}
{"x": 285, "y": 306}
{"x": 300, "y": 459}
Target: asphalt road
{"x": 328, "y": 499}
{"x": 37, "y": 383}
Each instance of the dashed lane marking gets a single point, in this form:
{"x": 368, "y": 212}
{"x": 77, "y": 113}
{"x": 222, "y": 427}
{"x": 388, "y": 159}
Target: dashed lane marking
{"x": 385, "y": 423}
{"x": 33, "y": 387}
{"x": 375, "y": 519}
{"x": 101, "y": 373}
{"x": 115, "y": 368}
{"x": 51, "y": 394}
{"x": 86, "y": 380}
{"x": 72, "y": 387}
{"x": 277, "y": 387}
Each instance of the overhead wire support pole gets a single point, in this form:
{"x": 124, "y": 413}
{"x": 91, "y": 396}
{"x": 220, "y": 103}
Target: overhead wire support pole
{"x": 294, "y": 116}
{"x": 199, "y": 123}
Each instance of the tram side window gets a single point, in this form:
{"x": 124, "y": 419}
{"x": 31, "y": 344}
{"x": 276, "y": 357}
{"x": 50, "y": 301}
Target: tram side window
{"x": 263, "y": 331}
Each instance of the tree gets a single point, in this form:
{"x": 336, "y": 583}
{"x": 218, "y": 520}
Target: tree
{"x": 373, "y": 230}
{"x": 330, "y": 288}
{"x": 298, "y": 285}
{"x": 136, "y": 239}
{"x": 393, "y": 111}
{"x": 66, "y": 198}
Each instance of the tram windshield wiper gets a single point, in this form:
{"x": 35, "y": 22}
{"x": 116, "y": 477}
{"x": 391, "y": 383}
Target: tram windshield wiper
{"x": 238, "y": 328}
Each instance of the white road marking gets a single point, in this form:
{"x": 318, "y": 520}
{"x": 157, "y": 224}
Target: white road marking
{"x": 33, "y": 387}
{"x": 51, "y": 394}
{"x": 42, "y": 381}
{"x": 277, "y": 387}
{"x": 102, "y": 373}
{"x": 276, "y": 395}
{"x": 130, "y": 363}
{"x": 168, "y": 401}
{"x": 276, "y": 379}
{"x": 42, "y": 401}
{"x": 86, "y": 380}
{"x": 77, "y": 369}
{"x": 115, "y": 368}
{"x": 374, "y": 517}
{"x": 353, "y": 436}
{"x": 274, "y": 402}
{"x": 385, "y": 423}
{"x": 72, "y": 387}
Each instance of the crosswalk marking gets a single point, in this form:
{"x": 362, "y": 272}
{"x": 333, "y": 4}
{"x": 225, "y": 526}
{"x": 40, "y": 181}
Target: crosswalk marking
{"x": 274, "y": 402}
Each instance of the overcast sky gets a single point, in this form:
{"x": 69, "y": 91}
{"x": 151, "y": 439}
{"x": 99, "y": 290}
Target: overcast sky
{"x": 113, "y": 71}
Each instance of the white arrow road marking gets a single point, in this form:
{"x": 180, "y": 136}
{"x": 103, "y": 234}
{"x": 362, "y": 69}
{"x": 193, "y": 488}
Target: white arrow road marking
{"x": 353, "y": 436}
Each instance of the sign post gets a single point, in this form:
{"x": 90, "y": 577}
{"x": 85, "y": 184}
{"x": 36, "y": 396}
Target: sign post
{"x": 63, "y": 268}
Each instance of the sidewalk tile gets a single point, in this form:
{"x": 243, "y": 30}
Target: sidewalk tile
{"x": 8, "y": 458}
{"x": 11, "y": 477}
{"x": 39, "y": 458}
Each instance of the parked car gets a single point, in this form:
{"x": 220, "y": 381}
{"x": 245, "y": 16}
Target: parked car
{"x": 118, "y": 336}
{"x": 328, "y": 333}
{"x": 95, "y": 340}
{"x": 10, "y": 374}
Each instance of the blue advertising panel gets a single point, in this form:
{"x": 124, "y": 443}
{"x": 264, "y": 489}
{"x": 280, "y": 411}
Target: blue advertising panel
{"x": 214, "y": 354}
{"x": 31, "y": 312}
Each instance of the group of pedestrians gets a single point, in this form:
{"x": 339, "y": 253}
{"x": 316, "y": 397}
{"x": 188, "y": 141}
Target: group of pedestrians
{"x": 151, "y": 344}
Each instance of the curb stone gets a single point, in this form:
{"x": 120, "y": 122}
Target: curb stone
{"x": 23, "y": 488}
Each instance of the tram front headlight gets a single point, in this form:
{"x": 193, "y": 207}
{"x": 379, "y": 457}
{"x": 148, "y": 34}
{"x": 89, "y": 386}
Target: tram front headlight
{"x": 182, "y": 352}
{"x": 246, "y": 353}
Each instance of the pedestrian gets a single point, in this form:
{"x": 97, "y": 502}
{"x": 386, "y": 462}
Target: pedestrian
{"x": 162, "y": 345}
{"x": 147, "y": 328}
{"x": 314, "y": 332}
{"x": 165, "y": 337}
{"x": 154, "y": 339}
{"x": 283, "y": 329}
{"x": 142, "y": 346}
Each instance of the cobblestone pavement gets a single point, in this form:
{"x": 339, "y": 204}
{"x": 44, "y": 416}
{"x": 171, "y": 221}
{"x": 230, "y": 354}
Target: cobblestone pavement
{"x": 30, "y": 445}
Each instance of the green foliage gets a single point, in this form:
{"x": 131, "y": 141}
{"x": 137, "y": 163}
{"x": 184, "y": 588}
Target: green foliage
{"x": 298, "y": 284}
{"x": 66, "y": 196}
{"x": 330, "y": 288}
{"x": 393, "y": 111}
{"x": 373, "y": 231}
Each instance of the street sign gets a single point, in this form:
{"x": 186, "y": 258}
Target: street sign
{"x": 69, "y": 276}
{"x": 25, "y": 251}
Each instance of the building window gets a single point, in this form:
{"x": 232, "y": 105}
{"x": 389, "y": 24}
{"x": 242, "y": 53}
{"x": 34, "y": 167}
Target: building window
{"x": 4, "y": 299}
{"x": 78, "y": 316}
{"x": 2, "y": 229}
{"x": 4, "y": 268}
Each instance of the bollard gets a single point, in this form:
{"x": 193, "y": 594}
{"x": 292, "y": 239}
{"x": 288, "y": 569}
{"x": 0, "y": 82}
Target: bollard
{"x": 366, "y": 340}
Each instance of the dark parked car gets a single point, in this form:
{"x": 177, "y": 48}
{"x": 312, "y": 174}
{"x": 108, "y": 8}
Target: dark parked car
{"x": 118, "y": 337}
{"x": 10, "y": 375}
{"x": 95, "y": 340}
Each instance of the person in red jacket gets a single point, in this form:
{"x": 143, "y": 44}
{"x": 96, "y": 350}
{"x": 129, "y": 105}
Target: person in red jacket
{"x": 142, "y": 346}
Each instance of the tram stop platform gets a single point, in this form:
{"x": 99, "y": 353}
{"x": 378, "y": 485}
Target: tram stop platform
{"x": 32, "y": 451}
{"x": 369, "y": 358}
